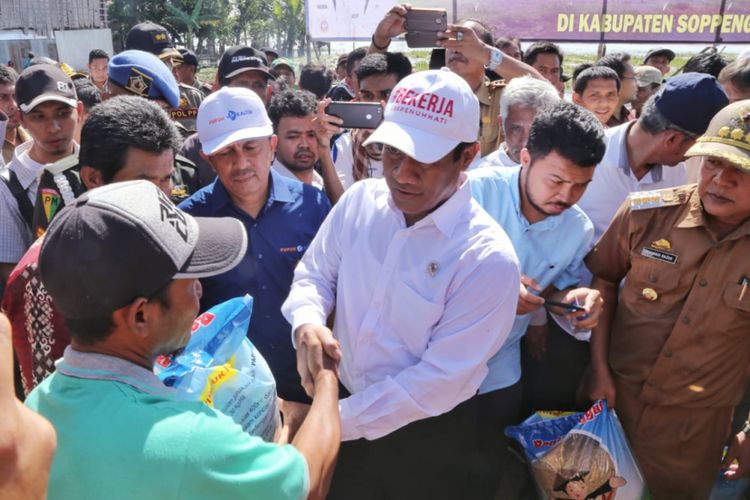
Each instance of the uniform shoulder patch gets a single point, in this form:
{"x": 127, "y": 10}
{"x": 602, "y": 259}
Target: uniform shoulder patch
{"x": 669, "y": 197}
{"x": 494, "y": 86}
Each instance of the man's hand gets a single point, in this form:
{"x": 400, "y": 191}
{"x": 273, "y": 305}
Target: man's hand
{"x": 465, "y": 41}
{"x": 739, "y": 451}
{"x": 592, "y": 303}
{"x": 325, "y": 126}
{"x": 527, "y": 301}
{"x": 602, "y": 386}
{"x": 392, "y": 25}
{"x": 318, "y": 354}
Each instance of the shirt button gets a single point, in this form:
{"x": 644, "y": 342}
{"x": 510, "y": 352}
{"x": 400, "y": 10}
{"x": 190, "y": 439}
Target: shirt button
{"x": 263, "y": 287}
{"x": 703, "y": 282}
{"x": 685, "y": 320}
{"x": 255, "y": 224}
{"x": 260, "y": 255}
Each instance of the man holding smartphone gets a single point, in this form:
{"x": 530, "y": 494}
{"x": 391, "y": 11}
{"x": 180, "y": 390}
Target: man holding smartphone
{"x": 469, "y": 51}
{"x": 376, "y": 77}
{"x": 407, "y": 262}
{"x": 535, "y": 204}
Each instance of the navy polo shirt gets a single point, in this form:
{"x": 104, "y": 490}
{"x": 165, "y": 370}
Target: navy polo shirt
{"x": 277, "y": 239}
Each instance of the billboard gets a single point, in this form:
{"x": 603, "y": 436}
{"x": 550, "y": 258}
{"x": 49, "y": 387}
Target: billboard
{"x": 679, "y": 21}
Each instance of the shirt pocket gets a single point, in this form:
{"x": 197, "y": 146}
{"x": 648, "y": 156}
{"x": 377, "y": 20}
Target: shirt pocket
{"x": 413, "y": 317}
{"x": 652, "y": 286}
{"x": 737, "y": 320}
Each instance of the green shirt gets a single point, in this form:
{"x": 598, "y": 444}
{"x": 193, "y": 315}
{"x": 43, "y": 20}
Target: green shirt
{"x": 121, "y": 434}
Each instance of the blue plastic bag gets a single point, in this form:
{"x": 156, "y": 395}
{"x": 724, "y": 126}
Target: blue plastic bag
{"x": 222, "y": 368}
{"x": 581, "y": 456}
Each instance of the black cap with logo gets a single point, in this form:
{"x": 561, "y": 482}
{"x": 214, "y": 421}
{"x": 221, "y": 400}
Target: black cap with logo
{"x": 44, "y": 83}
{"x": 153, "y": 38}
{"x": 188, "y": 57}
{"x": 239, "y": 59}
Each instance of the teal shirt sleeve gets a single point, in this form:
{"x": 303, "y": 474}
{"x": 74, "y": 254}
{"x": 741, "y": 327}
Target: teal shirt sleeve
{"x": 224, "y": 462}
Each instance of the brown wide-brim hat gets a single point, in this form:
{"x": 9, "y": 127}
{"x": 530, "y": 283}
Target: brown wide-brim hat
{"x": 727, "y": 136}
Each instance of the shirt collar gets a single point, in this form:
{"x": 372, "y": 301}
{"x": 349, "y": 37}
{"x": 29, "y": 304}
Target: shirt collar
{"x": 656, "y": 172}
{"x": 447, "y": 216}
{"x": 94, "y": 366}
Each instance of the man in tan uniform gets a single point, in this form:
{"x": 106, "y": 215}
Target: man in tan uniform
{"x": 469, "y": 51}
{"x": 675, "y": 336}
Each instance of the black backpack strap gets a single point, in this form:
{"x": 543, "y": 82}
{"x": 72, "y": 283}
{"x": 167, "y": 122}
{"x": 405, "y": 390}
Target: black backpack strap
{"x": 25, "y": 206}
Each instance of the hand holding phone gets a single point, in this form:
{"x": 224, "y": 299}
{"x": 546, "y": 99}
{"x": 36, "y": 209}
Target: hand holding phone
{"x": 356, "y": 114}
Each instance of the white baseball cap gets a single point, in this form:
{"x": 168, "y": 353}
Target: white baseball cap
{"x": 428, "y": 114}
{"x": 229, "y": 115}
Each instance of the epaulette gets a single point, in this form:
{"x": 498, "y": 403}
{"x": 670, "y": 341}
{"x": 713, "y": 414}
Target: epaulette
{"x": 61, "y": 166}
{"x": 494, "y": 85}
{"x": 669, "y": 197}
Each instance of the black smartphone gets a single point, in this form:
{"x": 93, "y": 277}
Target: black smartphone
{"x": 357, "y": 114}
{"x": 426, "y": 20}
{"x": 563, "y": 305}
{"x": 421, "y": 39}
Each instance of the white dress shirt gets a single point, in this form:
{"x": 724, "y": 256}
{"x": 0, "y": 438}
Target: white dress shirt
{"x": 498, "y": 158}
{"x": 419, "y": 310}
{"x": 283, "y": 170}
{"x": 614, "y": 180}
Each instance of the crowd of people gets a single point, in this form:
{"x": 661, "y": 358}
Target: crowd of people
{"x": 496, "y": 246}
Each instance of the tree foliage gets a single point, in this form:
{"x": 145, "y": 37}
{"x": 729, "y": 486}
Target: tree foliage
{"x": 210, "y": 25}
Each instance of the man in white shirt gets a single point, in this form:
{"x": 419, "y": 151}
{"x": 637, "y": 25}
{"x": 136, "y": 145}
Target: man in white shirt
{"x": 49, "y": 111}
{"x": 521, "y": 100}
{"x": 425, "y": 286}
{"x": 648, "y": 154}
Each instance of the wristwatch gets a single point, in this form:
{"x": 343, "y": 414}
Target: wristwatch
{"x": 496, "y": 57}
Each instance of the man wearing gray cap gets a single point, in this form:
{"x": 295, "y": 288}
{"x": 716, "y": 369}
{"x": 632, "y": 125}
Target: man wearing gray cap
{"x": 105, "y": 402}
{"x": 425, "y": 286}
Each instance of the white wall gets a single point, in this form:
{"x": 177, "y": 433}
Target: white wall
{"x": 73, "y": 46}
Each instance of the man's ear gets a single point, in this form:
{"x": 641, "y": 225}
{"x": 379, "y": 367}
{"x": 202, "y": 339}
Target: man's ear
{"x": 468, "y": 155}
{"x": 80, "y": 110}
{"x": 91, "y": 177}
{"x": 136, "y": 317}
{"x": 577, "y": 98}
{"x": 525, "y": 158}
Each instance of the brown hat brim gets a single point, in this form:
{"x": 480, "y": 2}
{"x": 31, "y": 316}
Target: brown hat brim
{"x": 739, "y": 157}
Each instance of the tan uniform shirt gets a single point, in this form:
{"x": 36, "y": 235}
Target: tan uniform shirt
{"x": 9, "y": 147}
{"x": 490, "y": 135}
{"x": 682, "y": 326}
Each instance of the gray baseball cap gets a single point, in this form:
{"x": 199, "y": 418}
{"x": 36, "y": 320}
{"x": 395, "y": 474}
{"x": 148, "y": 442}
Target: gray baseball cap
{"x": 127, "y": 240}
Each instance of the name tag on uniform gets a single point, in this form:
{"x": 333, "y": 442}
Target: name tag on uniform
{"x": 667, "y": 257}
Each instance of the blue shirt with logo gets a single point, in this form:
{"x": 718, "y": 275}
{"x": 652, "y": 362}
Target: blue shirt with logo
{"x": 551, "y": 251}
{"x": 277, "y": 239}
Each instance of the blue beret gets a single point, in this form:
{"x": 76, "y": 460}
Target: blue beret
{"x": 690, "y": 100}
{"x": 144, "y": 75}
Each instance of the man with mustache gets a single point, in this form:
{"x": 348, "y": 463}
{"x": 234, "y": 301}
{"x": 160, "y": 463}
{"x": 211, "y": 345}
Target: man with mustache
{"x": 281, "y": 216}
{"x": 671, "y": 349}
{"x": 469, "y": 52}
